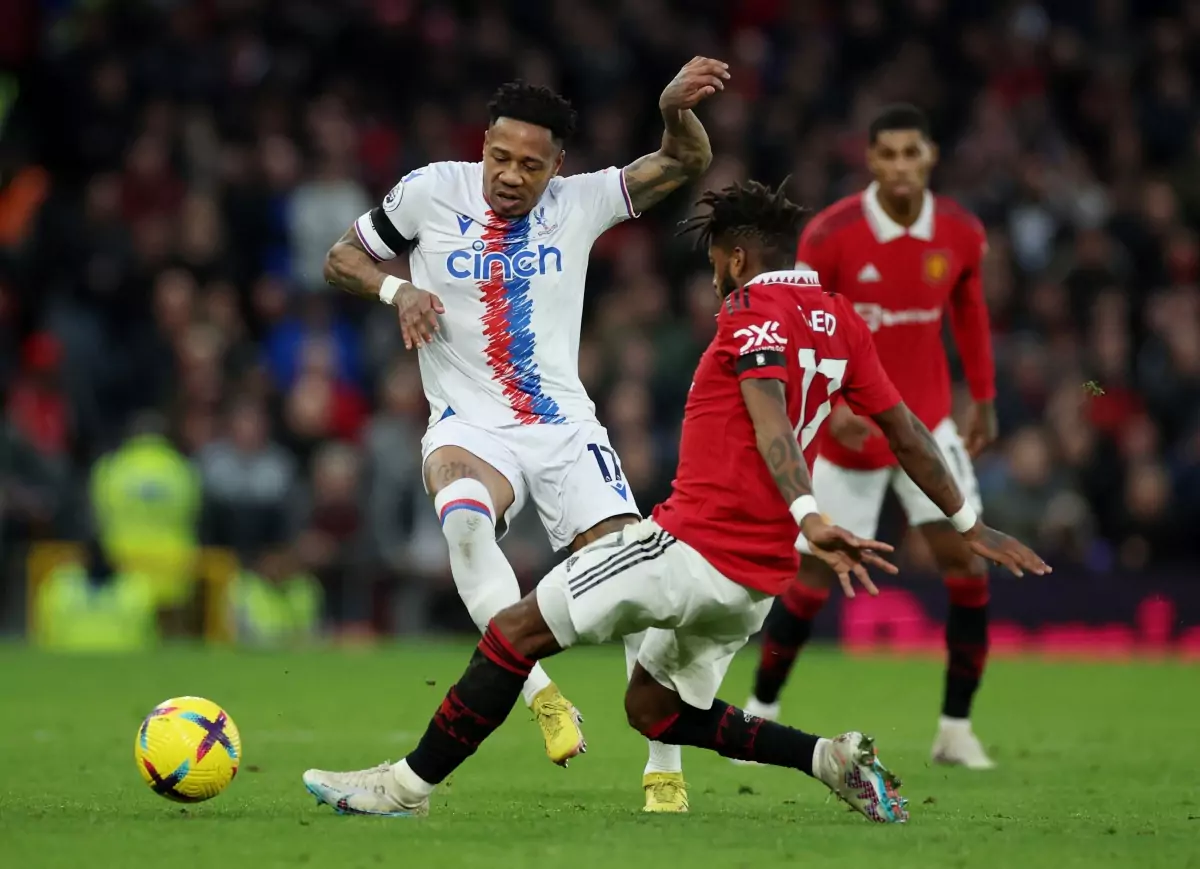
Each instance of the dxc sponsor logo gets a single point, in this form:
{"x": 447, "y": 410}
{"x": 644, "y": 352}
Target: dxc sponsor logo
{"x": 765, "y": 335}
{"x": 481, "y": 264}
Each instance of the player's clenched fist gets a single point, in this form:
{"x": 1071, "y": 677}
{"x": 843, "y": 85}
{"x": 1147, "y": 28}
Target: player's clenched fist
{"x": 418, "y": 312}
{"x": 700, "y": 77}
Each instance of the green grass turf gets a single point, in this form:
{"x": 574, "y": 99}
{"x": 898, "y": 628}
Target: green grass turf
{"x": 1098, "y": 769}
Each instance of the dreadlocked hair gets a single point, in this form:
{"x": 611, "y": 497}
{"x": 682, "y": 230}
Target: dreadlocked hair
{"x": 534, "y": 104}
{"x": 749, "y": 211}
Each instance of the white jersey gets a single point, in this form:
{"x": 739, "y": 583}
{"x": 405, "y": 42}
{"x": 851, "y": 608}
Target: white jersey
{"x": 508, "y": 350}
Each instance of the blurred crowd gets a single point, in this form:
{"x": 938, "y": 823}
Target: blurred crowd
{"x": 173, "y": 172}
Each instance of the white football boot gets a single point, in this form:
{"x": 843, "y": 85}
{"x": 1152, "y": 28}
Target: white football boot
{"x": 767, "y": 711}
{"x": 850, "y": 767}
{"x": 957, "y": 745}
{"x": 375, "y": 791}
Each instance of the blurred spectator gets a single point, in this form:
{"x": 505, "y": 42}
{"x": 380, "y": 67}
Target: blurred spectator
{"x": 33, "y": 494}
{"x": 330, "y": 544}
{"x": 393, "y": 454}
{"x": 146, "y": 505}
{"x": 85, "y": 606}
{"x": 274, "y": 604}
{"x": 317, "y": 329}
{"x": 249, "y": 486}
{"x": 37, "y": 407}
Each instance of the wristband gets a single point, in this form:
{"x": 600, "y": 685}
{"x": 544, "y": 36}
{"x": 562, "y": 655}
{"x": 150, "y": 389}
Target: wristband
{"x": 802, "y": 506}
{"x": 390, "y": 288}
{"x": 964, "y": 520}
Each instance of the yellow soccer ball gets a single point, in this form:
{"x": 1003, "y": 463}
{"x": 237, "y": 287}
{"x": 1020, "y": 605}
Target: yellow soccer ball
{"x": 188, "y": 749}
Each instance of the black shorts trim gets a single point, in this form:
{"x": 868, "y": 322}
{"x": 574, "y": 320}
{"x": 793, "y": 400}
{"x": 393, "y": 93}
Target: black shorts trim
{"x": 633, "y": 554}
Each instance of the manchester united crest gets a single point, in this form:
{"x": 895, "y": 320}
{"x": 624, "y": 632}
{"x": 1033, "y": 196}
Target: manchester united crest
{"x": 937, "y": 266}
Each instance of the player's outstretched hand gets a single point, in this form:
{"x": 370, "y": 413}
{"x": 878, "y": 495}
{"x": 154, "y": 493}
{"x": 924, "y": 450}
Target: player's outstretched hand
{"x": 844, "y": 553}
{"x": 700, "y": 77}
{"x": 418, "y": 311}
{"x": 1004, "y": 550}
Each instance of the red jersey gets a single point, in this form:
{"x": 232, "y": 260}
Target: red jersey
{"x": 724, "y": 502}
{"x": 900, "y": 281}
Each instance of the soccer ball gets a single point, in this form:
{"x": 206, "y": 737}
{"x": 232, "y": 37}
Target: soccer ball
{"x": 188, "y": 749}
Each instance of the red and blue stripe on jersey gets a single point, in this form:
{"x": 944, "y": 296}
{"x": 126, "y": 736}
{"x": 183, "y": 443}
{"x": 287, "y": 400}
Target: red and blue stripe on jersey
{"x": 508, "y": 311}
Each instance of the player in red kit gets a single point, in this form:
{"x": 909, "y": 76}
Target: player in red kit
{"x": 904, "y": 257}
{"x": 700, "y": 575}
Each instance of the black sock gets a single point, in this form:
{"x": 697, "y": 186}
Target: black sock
{"x": 966, "y": 656}
{"x": 784, "y": 634}
{"x": 731, "y": 732}
{"x": 474, "y": 707}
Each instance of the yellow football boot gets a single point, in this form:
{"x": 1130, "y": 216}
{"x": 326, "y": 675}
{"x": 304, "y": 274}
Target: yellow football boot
{"x": 665, "y": 792}
{"x": 559, "y": 720}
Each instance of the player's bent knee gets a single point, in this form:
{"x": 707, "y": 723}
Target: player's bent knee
{"x": 524, "y": 627}
{"x": 640, "y": 712}
{"x": 466, "y": 512}
{"x": 450, "y": 466}
{"x": 648, "y": 704}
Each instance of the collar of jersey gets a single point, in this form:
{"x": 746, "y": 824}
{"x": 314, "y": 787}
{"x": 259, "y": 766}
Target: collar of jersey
{"x": 885, "y": 229}
{"x": 790, "y": 276}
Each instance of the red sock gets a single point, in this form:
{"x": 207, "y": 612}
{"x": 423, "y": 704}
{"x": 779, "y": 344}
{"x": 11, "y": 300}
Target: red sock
{"x": 785, "y": 633}
{"x": 730, "y": 732}
{"x": 966, "y": 642}
{"x": 474, "y": 707}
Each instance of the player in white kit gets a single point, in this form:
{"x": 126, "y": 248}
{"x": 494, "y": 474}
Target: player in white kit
{"x": 498, "y": 254}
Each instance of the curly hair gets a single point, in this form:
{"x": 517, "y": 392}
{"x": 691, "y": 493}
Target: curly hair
{"x": 749, "y": 211}
{"x": 534, "y": 104}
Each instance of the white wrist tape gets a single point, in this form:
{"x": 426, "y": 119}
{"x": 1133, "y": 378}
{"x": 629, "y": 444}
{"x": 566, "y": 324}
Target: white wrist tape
{"x": 802, "y": 506}
{"x": 964, "y": 520}
{"x": 390, "y": 288}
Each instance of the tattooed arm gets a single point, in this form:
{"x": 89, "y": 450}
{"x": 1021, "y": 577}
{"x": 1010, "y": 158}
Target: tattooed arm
{"x": 685, "y": 151}
{"x": 777, "y": 444}
{"x": 845, "y": 554}
{"x": 920, "y": 457}
{"x": 349, "y": 267}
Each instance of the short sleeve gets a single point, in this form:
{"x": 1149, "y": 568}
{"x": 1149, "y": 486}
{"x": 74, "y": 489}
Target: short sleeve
{"x": 601, "y": 196}
{"x": 752, "y": 339}
{"x": 867, "y": 389}
{"x": 388, "y": 229}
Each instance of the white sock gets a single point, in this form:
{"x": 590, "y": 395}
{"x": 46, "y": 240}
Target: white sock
{"x": 409, "y": 781}
{"x": 818, "y": 757}
{"x": 663, "y": 757}
{"x": 485, "y": 580}
{"x": 769, "y": 711}
{"x": 962, "y": 725}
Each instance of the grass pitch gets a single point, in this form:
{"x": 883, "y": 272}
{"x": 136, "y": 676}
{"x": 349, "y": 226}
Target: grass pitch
{"x": 1098, "y": 769}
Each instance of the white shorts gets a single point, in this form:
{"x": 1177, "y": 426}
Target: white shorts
{"x": 571, "y": 470}
{"x": 853, "y": 499}
{"x": 642, "y": 578}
